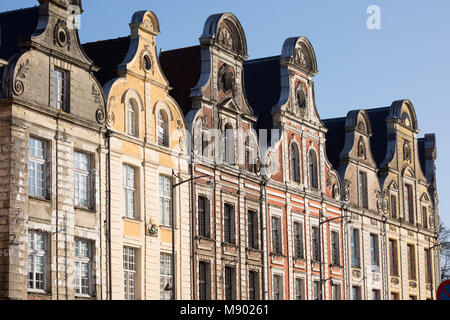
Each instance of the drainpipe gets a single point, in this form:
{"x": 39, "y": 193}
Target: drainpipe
{"x": 267, "y": 238}
{"x": 109, "y": 133}
{"x": 56, "y": 209}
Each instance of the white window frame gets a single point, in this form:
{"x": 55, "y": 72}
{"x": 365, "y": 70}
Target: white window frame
{"x": 132, "y": 118}
{"x": 130, "y": 273}
{"x": 35, "y": 161}
{"x": 37, "y": 253}
{"x": 83, "y": 260}
{"x": 165, "y": 200}
{"x": 60, "y": 89}
{"x": 129, "y": 187}
{"x": 162, "y": 129}
{"x": 336, "y": 289}
{"x": 82, "y": 196}
{"x": 165, "y": 275}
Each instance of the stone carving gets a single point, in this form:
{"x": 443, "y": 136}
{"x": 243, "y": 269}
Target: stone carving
{"x": 100, "y": 116}
{"x": 406, "y": 152}
{"x": 110, "y": 118}
{"x": 361, "y": 127}
{"x": 429, "y": 286}
{"x": 300, "y": 99}
{"x": 226, "y": 78}
{"x": 61, "y": 34}
{"x": 300, "y": 57}
{"x": 361, "y": 149}
{"x": 413, "y": 284}
{"x": 335, "y": 191}
{"x": 147, "y": 25}
{"x": 382, "y": 201}
{"x": 347, "y": 184}
{"x": 395, "y": 281}
{"x": 226, "y": 39}
{"x": 356, "y": 273}
{"x": 96, "y": 93}
{"x": 152, "y": 228}
{"x": 18, "y": 86}
{"x": 145, "y": 59}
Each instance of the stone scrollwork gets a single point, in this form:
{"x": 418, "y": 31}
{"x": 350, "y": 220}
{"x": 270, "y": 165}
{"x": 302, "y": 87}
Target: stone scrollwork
{"x": 18, "y": 86}
{"x": 347, "y": 184}
{"x": 110, "y": 118}
{"x": 225, "y": 38}
{"x": 100, "y": 116}
{"x": 61, "y": 35}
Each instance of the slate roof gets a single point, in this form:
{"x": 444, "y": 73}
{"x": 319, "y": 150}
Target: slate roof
{"x": 262, "y": 83}
{"x": 107, "y": 55}
{"x": 16, "y": 26}
{"x": 182, "y": 68}
{"x": 421, "y": 146}
{"x": 335, "y": 139}
{"x": 378, "y": 141}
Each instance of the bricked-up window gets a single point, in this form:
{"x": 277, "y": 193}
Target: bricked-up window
{"x": 356, "y": 293}
{"x": 312, "y": 170}
{"x": 229, "y": 144}
{"x": 336, "y": 291}
{"x": 204, "y": 282}
{"x": 363, "y": 194}
{"x": 165, "y": 276}
{"x": 253, "y": 285}
{"x": 299, "y": 289}
{"x": 393, "y": 258}
{"x": 315, "y": 243}
{"x": 427, "y": 258}
{"x": 203, "y": 217}
{"x": 355, "y": 248}
{"x": 316, "y": 290}
{"x": 229, "y": 228}
{"x": 411, "y": 254}
{"x": 295, "y": 163}
{"x": 129, "y": 191}
{"x": 277, "y": 287}
{"x": 374, "y": 256}
{"x": 376, "y": 294}
{"x": 252, "y": 223}
{"x": 37, "y": 261}
{"x": 37, "y": 168}
{"x": 165, "y": 201}
{"x": 83, "y": 267}
{"x": 132, "y": 118}
{"x": 409, "y": 204}
{"x": 82, "y": 180}
{"x": 424, "y": 217}
{"x": 129, "y": 273}
{"x": 298, "y": 241}
{"x": 276, "y": 236}
{"x": 163, "y": 129}
{"x": 393, "y": 206}
{"x": 60, "y": 92}
{"x": 230, "y": 283}
{"x": 335, "y": 255}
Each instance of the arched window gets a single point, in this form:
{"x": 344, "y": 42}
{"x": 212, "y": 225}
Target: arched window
{"x": 163, "y": 129}
{"x": 132, "y": 118}
{"x": 312, "y": 169}
{"x": 294, "y": 163}
{"x": 229, "y": 144}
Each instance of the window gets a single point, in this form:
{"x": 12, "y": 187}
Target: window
{"x": 129, "y": 191}
{"x": 230, "y": 287}
{"x": 315, "y": 243}
{"x": 203, "y": 280}
{"x": 394, "y": 296}
{"x": 229, "y": 224}
{"x": 356, "y": 293}
{"x": 253, "y": 285}
{"x": 229, "y": 144}
{"x": 363, "y": 194}
{"x": 163, "y": 129}
{"x": 203, "y": 217}
{"x": 424, "y": 217}
{"x": 312, "y": 172}
{"x": 277, "y": 287}
{"x": 165, "y": 201}
{"x": 132, "y": 118}
{"x": 83, "y": 265}
{"x": 393, "y": 260}
{"x": 60, "y": 99}
{"x": 336, "y": 291}
{"x": 409, "y": 204}
{"x": 335, "y": 258}
{"x": 316, "y": 290}
{"x": 82, "y": 180}
{"x": 276, "y": 236}
{"x": 250, "y": 156}
{"x": 374, "y": 252}
{"x": 411, "y": 262}
{"x": 299, "y": 289}
{"x": 295, "y": 163}
{"x": 393, "y": 206}
{"x": 412, "y": 297}
{"x": 375, "y": 294}
{"x": 165, "y": 276}
{"x": 427, "y": 258}
{"x": 355, "y": 248}
{"x": 252, "y": 222}
{"x": 298, "y": 241}
{"x": 37, "y": 168}
{"x": 129, "y": 273}
{"x": 37, "y": 260}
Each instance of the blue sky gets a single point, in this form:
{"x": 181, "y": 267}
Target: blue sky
{"x": 358, "y": 68}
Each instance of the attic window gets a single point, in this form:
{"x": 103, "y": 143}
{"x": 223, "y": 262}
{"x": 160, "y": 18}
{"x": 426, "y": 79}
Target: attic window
{"x": 62, "y": 37}
{"x": 147, "y": 63}
{"x": 406, "y": 120}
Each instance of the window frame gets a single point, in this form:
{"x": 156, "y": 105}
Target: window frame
{"x": 130, "y": 269}
{"x": 204, "y": 268}
{"x": 277, "y": 287}
{"x": 363, "y": 190}
{"x": 313, "y": 174}
{"x": 165, "y": 277}
{"x": 80, "y": 172}
{"x": 253, "y": 285}
{"x": 276, "y": 235}
{"x": 294, "y": 161}
{"x": 335, "y": 248}
{"x": 229, "y": 223}
{"x": 162, "y": 129}
{"x": 128, "y": 189}
{"x": 355, "y": 248}
{"x": 165, "y": 200}
{"x": 41, "y": 161}
{"x": 83, "y": 260}
{"x": 299, "y": 247}
{"x": 42, "y": 253}
{"x": 60, "y": 91}
{"x": 299, "y": 288}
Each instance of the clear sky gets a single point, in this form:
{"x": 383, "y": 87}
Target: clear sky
{"x": 409, "y": 57}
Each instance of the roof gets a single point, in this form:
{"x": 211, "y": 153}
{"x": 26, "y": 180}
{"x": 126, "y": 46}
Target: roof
{"x": 421, "y": 147}
{"x": 335, "y": 139}
{"x": 378, "y": 141}
{"x": 182, "y": 68}
{"x": 16, "y": 26}
{"x": 107, "y": 55}
{"x": 262, "y": 82}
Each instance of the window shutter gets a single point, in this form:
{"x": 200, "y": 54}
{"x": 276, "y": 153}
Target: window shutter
{"x": 232, "y": 225}
{"x": 207, "y": 219}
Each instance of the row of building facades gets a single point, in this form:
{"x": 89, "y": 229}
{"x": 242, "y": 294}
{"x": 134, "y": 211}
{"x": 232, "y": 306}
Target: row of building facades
{"x": 100, "y": 141}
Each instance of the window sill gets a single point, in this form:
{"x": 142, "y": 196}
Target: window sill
{"x": 40, "y": 199}
{"x": 226, "y": 244}
{"x": 39, "y": 292}
{"x": 86, "y": 209}
{"x": 84, "y": 297}
{"x": 163, "y": 226}
{"x": 131, "y": 219}
{"x": 277, "y": 255}
{"x": 203, "y": 238}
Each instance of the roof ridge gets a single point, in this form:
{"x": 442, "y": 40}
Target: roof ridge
{"x": 262, "y": 59}
{"x": 179, "y": 49}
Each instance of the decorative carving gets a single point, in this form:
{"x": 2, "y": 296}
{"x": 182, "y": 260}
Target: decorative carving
{"x": 413, "y": 284}
{"x": 362, "y": 127}
{"x": 225, "y": 38}
{"x": 300, "y": 57}
{"x": 96, "y": 94}
{"x": 226, "y": 78}
{"x": 145, "y": 60}
{"x": 61, "y": 35}
{"x": 356, "y": 273}
{"x": 335, "y": 192}
{"x": 18, "y": 86}
{"x": 361, "y": 149}
{"x": 152, "y": 228}
{"x": 429, "y": 286}
{"x": 300, "y": 99}
{"x": 406, "y": 152}
{"x": 347, "y": 184}
{"x": 111, "y": 118}
{"x": 147, "y": 25}
{"x": 394, "y": 281}
{"x": 100, "y": 116}
{"x": 379, "y": 201}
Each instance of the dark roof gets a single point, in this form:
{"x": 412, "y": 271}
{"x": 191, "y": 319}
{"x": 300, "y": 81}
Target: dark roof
{"x": 421, "y": 146}
{"x": 378, "y": 141}
{"x": 262, "y": 82}
{"x": 182, "y": 68}
{"x": 107, "y": 55}
{"x": 335, "y": 139}
{"x": 16, "y": 26}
